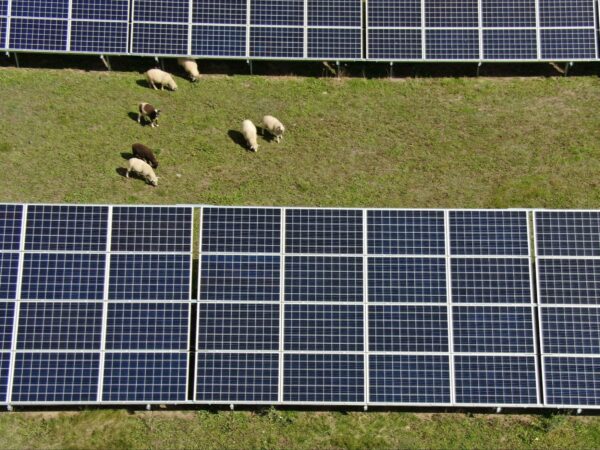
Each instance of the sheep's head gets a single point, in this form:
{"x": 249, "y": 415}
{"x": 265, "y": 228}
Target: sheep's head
{"x": 173, "y": 85}
{"x": 280, "y": 129}
{"x": 157, "y": 113}
{"x": 254, "y": 148}
{"x": 154, "y": 180}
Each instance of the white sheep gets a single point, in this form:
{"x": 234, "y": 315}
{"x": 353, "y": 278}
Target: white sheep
{"x": 273, "y": 126}
{"x": 143, "y": 168}
{"x": 157, "y": 76}
{"x": 249, "y": 132}
{"x": 190, "y": 66}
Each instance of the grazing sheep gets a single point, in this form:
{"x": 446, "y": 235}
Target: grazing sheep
{"x": 273, "y": 126}
{"x": 139, "y": 166}
{"x": 190, "y": 66}
{"x": 149, "y": 113}
{"x": 142, "y": 152}
{"x": 249, "y": 132}
{"x": 157, "y": 76}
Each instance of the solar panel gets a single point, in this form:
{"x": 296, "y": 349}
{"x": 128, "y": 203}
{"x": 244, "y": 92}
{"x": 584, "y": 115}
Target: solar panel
{"x": 3, "y": 25}
{"x": 9, "y": 267}
{"x": 38, "y": 34}
{"x": 99, "y": 26}
{"x": 218, "y": 28}
{"x": 10, "y": 226}
{"x": 568, "y": 273}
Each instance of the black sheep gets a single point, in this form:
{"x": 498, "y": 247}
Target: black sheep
{"x": 143, "y": 152}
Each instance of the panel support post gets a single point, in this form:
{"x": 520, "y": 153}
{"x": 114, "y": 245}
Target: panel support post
{"x": 249, "y": 62}
{"x": 391, "y": 69}
{"x": 17, "y": 60}
{"x": 338, "y": 69}
{"x": 478, "y": 67}
{"x": 106, "y": 61}
{"x": 567, "y": 67}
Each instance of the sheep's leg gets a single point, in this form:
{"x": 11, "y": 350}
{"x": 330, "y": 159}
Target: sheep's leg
{"x": 127, "y": 174}
{"x": 139, "y": 118}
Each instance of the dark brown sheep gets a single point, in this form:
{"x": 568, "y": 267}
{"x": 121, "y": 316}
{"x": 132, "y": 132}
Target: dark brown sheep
{"x": 143, "y": 152}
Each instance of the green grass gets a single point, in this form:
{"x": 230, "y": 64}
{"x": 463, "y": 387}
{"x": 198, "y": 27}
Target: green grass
{"x": 531, "y": 142}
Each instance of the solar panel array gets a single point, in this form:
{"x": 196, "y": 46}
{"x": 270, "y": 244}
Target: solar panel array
{"x": 396, "y": 30}
{"x": 95, "y": 303}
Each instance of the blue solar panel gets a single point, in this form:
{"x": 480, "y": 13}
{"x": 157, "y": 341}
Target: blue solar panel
{"x": 161, "y": 10}
{"x": 394, "y": 13}
{"x": 491, "y": 280}
{"x": 238, "y": 326}
{"x": 241, "y": 377}
{"x": 276, "y": 42}
{"x": 572, "y": 381}
{"x": 100, "y": 9}
{"x": 571, "y": 330}
{"x": 509, "y": 44}
{"x": 500, "y": 233}
{"x": 152, "y": 229}
{"x": 149, "y": 277}
{"x": 59, "y": 326}
{"x": 495, "y": 380}
{"x": 231, "y": 12}
{"x": 395, "y": 44}
{"x": 3, "y": 7}
{"x": 334, "y": 43}
{"x": 159, "y": 39}
{"x": 406, "y": 232}
{"x": 329, "y": 278}
{"x": 147, "y": 326}
{"x": 40, "y": 35}
{"x": 219, "y": 41}
{"x": 239, "y": 278}
{"x": 567, "y": 233}
{"x": 335, "y": 231}
{"x": 7, "y": 312}
{"x": 324, "y": 327}
{"x": 451, "y": 13}
{"x": 508, "y": 13}
{"x": 569, "y": 281}
{"x": 9, "y": 267}
{"x": 145, "y": 377}
{"x": 251, "y": 230}
{"x": 568, "y": 44}
{"x": 277, "y": 12}
{"x": 57, "y": 276}
{"x": 3, "y": 45}
{"x": 449, "y": 44}
{"x": 4, "y": 367}
{"x": 493, "y": 329}
{"x": 408, "y": 328}
{"x": 421, "y": 280}
{"x": 66, "y": 228}
{"x": 54, "y": 9}
{"x": 55, "y": 377}
{"x": 409, "y": 379}
{"x": 334, "y": 13}
{"x": 323, "y": 378}
{"x": 10, "y": 226}
{"x": 566, "y": 13}
{"x": 99, "y": 37}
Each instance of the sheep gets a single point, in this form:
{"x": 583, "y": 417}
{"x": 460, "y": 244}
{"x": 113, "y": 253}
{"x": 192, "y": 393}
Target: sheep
{"x": 149, "y": 113}
{"x": 143, "y": 168}
{"x": 190, "y": 66}
{"x": 273, "y": 126}
{"x": 249, "y": 132}
{"x": 157, "y": 76}
{"x": 144, "y": 153}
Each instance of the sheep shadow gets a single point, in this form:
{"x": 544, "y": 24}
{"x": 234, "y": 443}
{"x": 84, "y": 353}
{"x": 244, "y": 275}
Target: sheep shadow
{"x": 127, "y": 155}
{"x": 134, "y": 116}
{"x": 261, "y": 131}
{"x": 238, "y": 138}
{"x": 143, "y": 83}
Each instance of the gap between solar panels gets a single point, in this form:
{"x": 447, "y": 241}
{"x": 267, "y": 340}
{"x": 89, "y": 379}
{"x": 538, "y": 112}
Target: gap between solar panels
{"x": 298, "y": 306}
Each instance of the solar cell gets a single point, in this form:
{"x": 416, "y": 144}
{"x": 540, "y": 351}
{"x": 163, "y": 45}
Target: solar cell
{"x": 276, "y": 42}
{"x": 335, "y": 43}
{"x": 394, "y": 14}
{"x": 421, "y": 280}
{"x": 145, "y": 377}
{"x": 52, "y": 9}
{"x": 495, "y": 380}
{"x": 324, "y": 278}
{"x": 150, "y": 277}
{"x": 409, "y": 379}
{"x": 99, "y": 37}
{"x": 334, "y": 13}
{"x": 569, "y": 281}
{"x": 147, "y": 326}
{"x": 10, "y": 226}
{"x": 59, "y": 326}
{"x": 508, "y": 13}
{"x": 9, "y": 267}
{"x": 394, "y": 44}
{"x": 570, "y": 330}
{"x": 509, "y": 44}
{"x": 160, "y": 11}
{"x": 491, "y": 280}
{"x": 151, "y": 229}
{"x": 40, "y": 35}
{"x": 3, "y": 25}
{"x": 333, "y": 231}
{"x": 568, "y": 44}
{"x": 159, "y": 39}
{"x": 323, "y": 378}
{"x": 223, "y": 326}
{"x": 408, "y": 328}
{"x": 241, "y": 230}
{"x": 572, "y": 381}
{"x": 231, "y": 12}
{"x": 316, "y": 327}
{"x": 4, "y": 367}
{"x": 566, "y": 13}
{"x": 277, "y": 12}
{"x": 63, "y": 276}
{"x": 219, "y": 40}
{"x": 100, "y": 10}
{"x": 55, "y": 377}
{"x": 66, "y": 228}
{"x": 7, "y": 311}
{"x": 567, "y": 233}
{"x": 3, "y": 11}
{"x": 240, "y": 377}
{"x": 449, "y": 44}
{"x": 451, "y": 13}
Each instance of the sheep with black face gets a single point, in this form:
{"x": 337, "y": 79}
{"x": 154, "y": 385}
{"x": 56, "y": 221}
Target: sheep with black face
{"x": 149, "y": 113}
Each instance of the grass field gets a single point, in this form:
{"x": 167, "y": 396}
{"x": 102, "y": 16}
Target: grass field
{"x": 444, "y": 142}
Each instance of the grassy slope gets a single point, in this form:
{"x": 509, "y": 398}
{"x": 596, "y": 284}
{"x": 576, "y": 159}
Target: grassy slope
{"x": 415, "y": 143}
